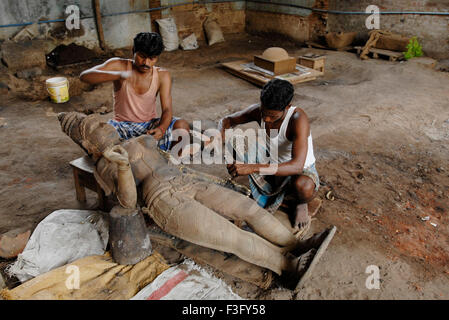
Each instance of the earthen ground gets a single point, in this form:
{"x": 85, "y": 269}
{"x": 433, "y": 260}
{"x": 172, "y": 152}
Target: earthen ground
{"x": 380, "y": 130}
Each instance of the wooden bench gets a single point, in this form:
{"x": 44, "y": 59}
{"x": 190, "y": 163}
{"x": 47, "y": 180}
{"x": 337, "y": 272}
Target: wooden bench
{"x": 83, "y": 174}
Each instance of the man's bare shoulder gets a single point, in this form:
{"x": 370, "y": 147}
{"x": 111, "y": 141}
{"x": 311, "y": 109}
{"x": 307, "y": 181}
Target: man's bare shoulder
{"x": 118, "y": 64}
{"x": 300, "y": 115}
{"x": 163, "y": 73}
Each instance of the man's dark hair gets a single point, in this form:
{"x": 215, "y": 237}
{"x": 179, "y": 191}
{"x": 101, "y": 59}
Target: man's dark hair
{"x": 277, "y": 94}
{"x": 149, "y": 43}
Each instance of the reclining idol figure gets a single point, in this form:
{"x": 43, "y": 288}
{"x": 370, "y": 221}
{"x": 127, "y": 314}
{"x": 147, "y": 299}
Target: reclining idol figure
{"x": 188, "y": 208}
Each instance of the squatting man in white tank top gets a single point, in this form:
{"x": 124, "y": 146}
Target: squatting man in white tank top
{"x": 296, "y": 173}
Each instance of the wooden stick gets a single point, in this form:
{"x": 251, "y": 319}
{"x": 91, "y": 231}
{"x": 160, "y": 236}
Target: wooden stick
{"x": 99, "y": 24}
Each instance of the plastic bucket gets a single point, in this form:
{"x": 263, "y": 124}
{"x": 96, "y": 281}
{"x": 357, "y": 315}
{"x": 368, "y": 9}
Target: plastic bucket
{"x": 58, "y": 89}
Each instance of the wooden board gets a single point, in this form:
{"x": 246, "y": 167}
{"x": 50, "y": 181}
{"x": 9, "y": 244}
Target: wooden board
{"x": 258, "y": 78}
{"x": 320, "y": 46}
{"x": 393, "y": 55}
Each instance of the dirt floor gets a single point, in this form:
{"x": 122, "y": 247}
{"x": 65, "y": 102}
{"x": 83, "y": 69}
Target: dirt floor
{"x": 380, "y": 130}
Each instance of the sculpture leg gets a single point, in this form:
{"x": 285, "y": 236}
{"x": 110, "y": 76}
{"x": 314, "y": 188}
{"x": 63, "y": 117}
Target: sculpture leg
{"x": 238, "y": 207}
{"x": 182, "y": 216}
{"x": 129, "y": 237}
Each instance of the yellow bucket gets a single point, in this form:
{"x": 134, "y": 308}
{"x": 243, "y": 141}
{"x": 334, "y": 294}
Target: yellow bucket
{"x": 58, "y": 89}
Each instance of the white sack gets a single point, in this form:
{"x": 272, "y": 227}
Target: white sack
{"x": 186, "y": 281}
{"x": 61, "y": 238}
{"x": 190, "y": 43}
{"x": 169, "y": 33}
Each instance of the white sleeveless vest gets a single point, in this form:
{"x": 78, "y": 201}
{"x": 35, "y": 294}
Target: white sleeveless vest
{"x": 284, "y": 146}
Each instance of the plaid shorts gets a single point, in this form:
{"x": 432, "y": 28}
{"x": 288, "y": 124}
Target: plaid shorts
{"x": 128, "y": 130}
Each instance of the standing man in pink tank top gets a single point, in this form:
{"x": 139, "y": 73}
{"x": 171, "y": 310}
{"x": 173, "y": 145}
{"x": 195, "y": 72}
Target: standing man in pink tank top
{"x": 296, "y": 172}
{"x": 137, "y": 83}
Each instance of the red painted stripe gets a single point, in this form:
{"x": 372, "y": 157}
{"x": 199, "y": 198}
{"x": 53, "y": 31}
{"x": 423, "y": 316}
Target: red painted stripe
{"x": 168, "y": 286}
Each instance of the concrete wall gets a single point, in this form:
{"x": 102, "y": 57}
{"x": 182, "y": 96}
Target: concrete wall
{"x": 119, "y": 30}
{"x": 19, "y": 11}
{"x": 295, "y": 23}
{"x": 190, "y": 18}
{"x": 298, "y": 24}
{"x": 432, "y": 31}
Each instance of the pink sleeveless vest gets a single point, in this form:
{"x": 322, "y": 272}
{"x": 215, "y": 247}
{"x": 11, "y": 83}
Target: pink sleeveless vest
{"x": 133, "y": 107}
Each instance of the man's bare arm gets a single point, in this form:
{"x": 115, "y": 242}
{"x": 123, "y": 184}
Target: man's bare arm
{"x": 166, "y": 104}
{"x": 252, "y": 113}
{"x": 293, "y": 167}
{"x": 114, "y": 69}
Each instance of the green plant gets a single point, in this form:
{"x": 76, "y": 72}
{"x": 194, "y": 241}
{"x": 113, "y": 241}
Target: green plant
{"x": 414, "y": 49}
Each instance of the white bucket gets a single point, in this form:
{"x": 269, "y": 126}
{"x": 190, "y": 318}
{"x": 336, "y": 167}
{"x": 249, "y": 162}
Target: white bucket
{"x": 58, "y": 89}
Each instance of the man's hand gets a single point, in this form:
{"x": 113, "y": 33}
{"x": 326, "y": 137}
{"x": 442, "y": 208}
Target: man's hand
{"x": 236, "y": 170}
{"x": 157, "y": 133}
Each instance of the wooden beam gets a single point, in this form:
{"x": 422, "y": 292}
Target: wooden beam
{"x": 99, "y": 23}
{"x": 154, "y": 15}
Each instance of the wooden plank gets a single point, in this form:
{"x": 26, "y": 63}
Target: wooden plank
{"x": 387, "y": 52}
{"x": 79, "y": 188}
{"x": 259, "y": 79}
{"x": 84, "y": 163}
{"x": 394, "y": 55}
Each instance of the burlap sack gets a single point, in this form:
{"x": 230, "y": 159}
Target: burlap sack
{"x": 213, "y": 31}
{"x": 100, "y": 278}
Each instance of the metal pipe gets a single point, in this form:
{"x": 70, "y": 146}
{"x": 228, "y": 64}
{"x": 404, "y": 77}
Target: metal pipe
{"x": 224, "y": 1}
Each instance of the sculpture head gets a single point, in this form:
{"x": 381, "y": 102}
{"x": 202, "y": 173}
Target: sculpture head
{"x": 89, "y": 132}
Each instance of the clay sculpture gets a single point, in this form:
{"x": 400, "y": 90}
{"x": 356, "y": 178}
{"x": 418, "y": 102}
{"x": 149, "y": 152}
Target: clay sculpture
{"x": 189, "y": 208}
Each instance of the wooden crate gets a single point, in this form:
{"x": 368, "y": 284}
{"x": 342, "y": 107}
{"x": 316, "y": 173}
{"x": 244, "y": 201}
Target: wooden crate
{"x": 277, "y": 67}
{"x": 316, "y": 63}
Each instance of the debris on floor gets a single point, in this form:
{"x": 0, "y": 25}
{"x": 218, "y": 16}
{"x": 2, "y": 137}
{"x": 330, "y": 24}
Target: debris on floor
{"x": 3, "y": 122}
{"x": 186, "y": 281}
{"x": 13, "y": 243}
{"x": 443, "y": 65}
{"x": 96, "y": 277}
{"x": 29, "y": 74}
{"x": 27, "y": 33}
{"x": 2, "y": 282}
{"x": 63, "y": 56}
{"x": 340, "y": 40}
{"x": 62, "y": 237}
{"x": 25, "y": 55}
